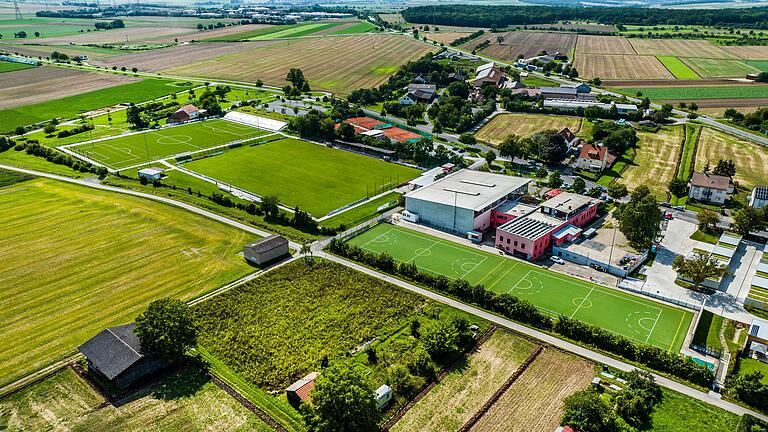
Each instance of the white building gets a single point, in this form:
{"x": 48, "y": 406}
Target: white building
{"x": 759, "y": 197}
{"x": 710, "y": 188}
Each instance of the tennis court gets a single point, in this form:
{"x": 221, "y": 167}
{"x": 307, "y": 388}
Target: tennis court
{"x": 139, "y": 148}
{"x": 634, "y": 317}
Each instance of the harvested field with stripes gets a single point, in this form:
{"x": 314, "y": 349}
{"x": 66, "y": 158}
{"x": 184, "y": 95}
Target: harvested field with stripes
{"x": 29, "y": 86}
{"x": 155, "y": 60}
{"x": 748, "y": 52}
{"x": 679, "y": 47}
{"x": 535, "y": 400}
{"x": 751, "y": 159}
{"x": 656, "y": 160}
{"x": 524, "y": 125}
{"x": 603, "y": 45}
{"x": 357, "y": 61}
{"x": 445, "y": 38}
{"x": 619, "y": 67}
{"x": 528, "y": 44}
{"x": 718, "y": 68}
{"x": 464, "y": 391}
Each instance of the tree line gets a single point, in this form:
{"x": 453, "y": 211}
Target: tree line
{"x": 503, "y": 16}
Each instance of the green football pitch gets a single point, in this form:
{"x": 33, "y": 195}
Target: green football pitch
{"x": 140, "y": 148}
{"x": 634, "y": 317}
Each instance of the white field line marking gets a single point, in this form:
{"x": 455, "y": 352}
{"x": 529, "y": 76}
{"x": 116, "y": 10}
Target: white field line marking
{"x": 445, "y": 243}
{"x": 490, "y": 272}
{"x": 503, "y": 275}
{"x": 373, "y": 240}
{"x": 653, "y": 327}
{"x": 582, "y": 302}
{"x": 598, "y": 288}
{"x": 473, "y": 268}
{"x": 418, "y": 254}
{"x": 672, "y": 345}
{"x": 518, "y": 282}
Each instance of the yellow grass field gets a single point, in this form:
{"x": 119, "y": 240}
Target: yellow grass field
{"x": 464, "y": 391}
{"x": 751, "y": 159}
{"x": 76, "y": 260}
{"x": 535, "y": 400}
{"x": 337, "y": 64}
{"x": 586, "y": 44}
{"x": 620, "y": 67}
{"x": 748, "y": 52}
{"x": 445, "y": 38}
{"x": 525, "y": 125}
{"x": 656, "y": 160}
{"x": 679, "y": 47}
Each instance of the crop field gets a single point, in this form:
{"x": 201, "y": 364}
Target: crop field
{"x": 44, "y": 51}
{"x": 30, "y": 86}
{"x": 718, "y": 68}
{"x": 529, "y": 44}
{"x": 750, "y": 91}
{"x": 129, "y": 34}
{"x": 634, "y": 317}
{"x": 76, "y": 259}
{"x": 620, "y": 67}
{"x": 748, "y": 52}
{"x": 535, "y": 400}
{"x": 144, "y": 147}
{"x": 761, "y": 65}
{"x": 615, "y": 45}
{"x": 679, "y": 69}
{"x": 316, "y": 178}
{"x": 524, "y": 125}
{"x": 283, "y": 31}
{"x": 751, "y": 159}
{"x": 464, "y": 391}
{"x": 10, "y": 66}
{"x": 72, "y": 106}
{"x": 46, "y": 27}
{"x": 445, "y": 37}
{"x": 353, "y": 28}
{"x": 680, "y": 413}
{"x": 277, "y": 327}
{"x": 154, "y": 60}
{"x": 679, "y": 47}
{"x": 359, "y": 61}
{"x": 656, "y": 160}
{"x": 186, "y": 398}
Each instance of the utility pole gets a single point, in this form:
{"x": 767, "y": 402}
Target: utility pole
{"x": 17, "y": 10}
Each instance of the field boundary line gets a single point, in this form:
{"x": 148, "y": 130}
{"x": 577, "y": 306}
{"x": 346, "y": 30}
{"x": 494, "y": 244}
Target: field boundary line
{"x": 518, "y": 282}
{"x": 584, "y": 300}
{"x": 440, "y": 376}
{"x": 447, "y": 243}
{"x": 418, "y": 254}
{"x": 501, "y": 390}
{"x": 654, "y": 328}
{"x": 474, "y": 268}
{"x": 490, "y": 272}
{"x": 503, "y": 275}
{"x": 374, "y": 239}
{"x": 38, "y": 375}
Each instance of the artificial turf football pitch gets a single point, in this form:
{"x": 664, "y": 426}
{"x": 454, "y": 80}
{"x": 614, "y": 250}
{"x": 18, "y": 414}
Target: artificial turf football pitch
{"x": 634, "y": 317}
{"x": 136, "y": 149}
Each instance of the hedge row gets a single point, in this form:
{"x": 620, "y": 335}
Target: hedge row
{"x": 523, "y": 311}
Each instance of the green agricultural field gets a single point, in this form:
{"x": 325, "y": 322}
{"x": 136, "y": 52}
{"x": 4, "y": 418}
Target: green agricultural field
{"x": 316, "y": 178}
{"x": 72, "y": 106}
{"x": 278, "y": 327}
{"x": 718, "y": 68}
{"x": 679, "y": 69}
{"x": 140, "y": 148}
{"x": 681, "y": 413}
{"x": 703, "y": 92}
{"x": 634, "y": 317}
{"x": 185, "y": 399}
{"x": 361, "y": 27}
{"x": 278, "y": 32}
{"x": 11, "y": 66}
{"x": 46, "y": 27}
{"x": 76, "y": 259}
{"x": 758, "y": 64}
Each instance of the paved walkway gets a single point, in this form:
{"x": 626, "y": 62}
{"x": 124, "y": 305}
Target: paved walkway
{"x": 712, "y": 399}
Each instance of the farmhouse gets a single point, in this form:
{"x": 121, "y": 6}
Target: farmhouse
{"x": 115, "y": 356}
{"x": 570, "y": 138}
{"x": 555, "y": 221}
{"x": 579, "y": 87}
{"x": 594, "y": 158}
{"x": 488, "y": 73}
{"x": 710, "y": 188}
{"x": 266, "y": 249}
{"x": 566, "y": 93}
{"x": 759, "y": 197}
{"x": 462, "y": 202}
{"x": 419, "y": 93}
{"x": 301, "y": 390}
{"x": 184, "y": 114}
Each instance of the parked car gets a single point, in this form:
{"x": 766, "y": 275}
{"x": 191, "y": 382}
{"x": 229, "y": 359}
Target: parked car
{"x": 666, "y": 204}
{"x": 668, "y": 216}
{"x": 557, "y": 259}
{"x": 679, "y": 207}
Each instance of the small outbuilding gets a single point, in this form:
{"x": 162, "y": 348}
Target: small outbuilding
{"x": 115, "y": 356}
{"x": 151, "y": 174}
{"x": 383, "y": 396}
{"x": 301, "y": 390}
{"x": 266, "y": 249}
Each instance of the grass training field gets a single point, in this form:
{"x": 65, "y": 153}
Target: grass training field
{"x": 278, "y": 327}
{"x": 620, "y": 67}
{"x": 11, "y": 66}
{"x": 656, "y": 160}
{"x": 524, "y": 125}
{"x": 364, "y": 60}
{"x": 679, "y": 69}
{"x": 362, "y": 212}
{"x": 185, "y": 399}
{"x": 72, "y": 106}
{"x": 464, "y": 391}
{"x": 316, "y": 178}
{"x": 634, "y": 317}
{"x": 76, "y": 259}
{"x": 703, "y": 92}
{"x": 719, "y": 68}
{"x": 535, "y": 400}
{"x": 140, "y": 148}
{"x": 751, "y": 159}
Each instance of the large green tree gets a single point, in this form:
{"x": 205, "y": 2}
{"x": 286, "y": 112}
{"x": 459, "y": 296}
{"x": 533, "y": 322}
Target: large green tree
{"x": 588, "y": 412}
{"x": 639, "y": 218}
{"x": 698, "y": 267}
{"x": 708, "y": 219}
{"x": 343, "y": 401}
{"x": 512, "y": 147}
{"x": 748, "y": 219}
{"x": 167, "y": 329}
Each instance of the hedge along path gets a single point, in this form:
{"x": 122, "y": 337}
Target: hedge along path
{"x": 501, "y": 390}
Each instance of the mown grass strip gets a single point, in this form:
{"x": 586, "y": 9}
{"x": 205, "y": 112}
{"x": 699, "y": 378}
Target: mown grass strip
{"x": 679, "y": 69}
{"x": 689, "y": 151}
